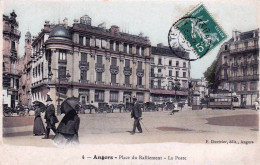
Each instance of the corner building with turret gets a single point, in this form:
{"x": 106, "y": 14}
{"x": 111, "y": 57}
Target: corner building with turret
{"x": 96, "y": 64}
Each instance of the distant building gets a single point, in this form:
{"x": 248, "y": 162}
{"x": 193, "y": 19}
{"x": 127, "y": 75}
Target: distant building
{"x": 25, "y": 64}
{"x": 105, "y": 65}
{"x": 201, "y": 86}
{"x": 166, "y": 71}
{"x": 11, "y": 75}
{"x": 238, "y": 66}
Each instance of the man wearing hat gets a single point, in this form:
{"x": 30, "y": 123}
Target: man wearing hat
{"x": 50, "y": 117}
{"x": 137, "y": 115}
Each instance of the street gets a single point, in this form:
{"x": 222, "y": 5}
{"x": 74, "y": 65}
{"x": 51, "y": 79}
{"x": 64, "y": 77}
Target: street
{"x": 186, "y": 126}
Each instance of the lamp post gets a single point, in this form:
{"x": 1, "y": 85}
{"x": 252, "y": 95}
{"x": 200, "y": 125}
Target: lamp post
{"x": 59, "y": 78}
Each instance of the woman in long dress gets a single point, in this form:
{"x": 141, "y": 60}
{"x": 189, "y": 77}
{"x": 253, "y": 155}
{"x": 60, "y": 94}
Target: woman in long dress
{"x": 38, "y": 127}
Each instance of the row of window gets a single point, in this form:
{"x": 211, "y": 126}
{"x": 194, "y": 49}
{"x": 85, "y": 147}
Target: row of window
{"x": 244, "y": 86}
{"x": 170, "y": 62}
{"x": 114, "y": 45}
{"x": 170, "y": 73}
{"x": 38, "y": 70}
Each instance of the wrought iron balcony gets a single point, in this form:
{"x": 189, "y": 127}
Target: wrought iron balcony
{"x": 114, "y": 84}
{"x": 139, "y": 86}
{"x": 158, "y": 87}
{"x": 100, "y": 67}
{"x": 84, "y": 81}
{"x": 99, "y": 82}
{"x": 128, "y": 85}
{"x": 159, "y": 75}
{"x": 12, "y": 31}
{"x": 244, "y": 49}
{"x": 127, "y": 71}
{"x": 114, "y": 69}
{"x": 244, "y": 78}
{"x": 140, "y": 72}
{"x": 62, "y": 61}
{"x": 84, "y": 65}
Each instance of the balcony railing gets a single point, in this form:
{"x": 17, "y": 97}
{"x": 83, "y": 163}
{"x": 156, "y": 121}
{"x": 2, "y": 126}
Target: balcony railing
{"x": 243, "y": 49}
{"x": 12, "y": 31}
{"x": 245, "y": 78}
{"x": 140, "y": 72}
{"x": 83, "y": 63}
{"x": 100, "y": 67}
{"x": 159, "y": 75}
{"x": 128, "y": 85}
{"x": 99, "y": 82}
{"x": 84, "y": 81}
{"x": 114, "y": 69}
{"x": 62, "y": 61}
{"x": 158, "y": 87}
{"x": 139, "y": 86}
{"x": 114, "y": 84}
{"x": 127, "y": 71}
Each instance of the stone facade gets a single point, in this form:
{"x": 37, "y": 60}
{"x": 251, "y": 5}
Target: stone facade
{"x": 105, "y": 65}
{"x": 166, "y": 71}
{"x": 11, "y": 73}
{"x": 238, "y": 66}
{"x": 25, "y": 64}
{"x": 201, "y": 86}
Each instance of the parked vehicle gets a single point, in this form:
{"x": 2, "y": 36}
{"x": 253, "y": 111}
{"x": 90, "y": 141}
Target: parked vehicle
{"x": 19, "y": 110}
{"x": 104, "y": 107}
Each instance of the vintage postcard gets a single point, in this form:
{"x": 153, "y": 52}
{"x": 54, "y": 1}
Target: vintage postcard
{"x": 129, "y": 82}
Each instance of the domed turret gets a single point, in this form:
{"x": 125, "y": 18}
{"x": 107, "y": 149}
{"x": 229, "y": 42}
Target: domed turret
{"x": 85, "y": 20}
{"x": 28, "y": 35}
{"x": 60, "y": 31}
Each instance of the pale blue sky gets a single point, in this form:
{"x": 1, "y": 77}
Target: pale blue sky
{"x": 153, "y": 18}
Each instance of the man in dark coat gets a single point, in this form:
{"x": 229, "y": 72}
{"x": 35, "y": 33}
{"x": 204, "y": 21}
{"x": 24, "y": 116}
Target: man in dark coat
{"x": 137, "y": 115}
{"x": 50, "y": 117}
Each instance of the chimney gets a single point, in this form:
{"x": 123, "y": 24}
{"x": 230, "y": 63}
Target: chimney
{"x": 47, "y": 25}
{"x": 236, "y": 35}
{"x": 114, "y": 29}
{"x": 65, "y": 22}
{"x": 160, "y": 45}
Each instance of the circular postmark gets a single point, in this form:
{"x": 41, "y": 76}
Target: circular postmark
{"x": 189, "y": 38}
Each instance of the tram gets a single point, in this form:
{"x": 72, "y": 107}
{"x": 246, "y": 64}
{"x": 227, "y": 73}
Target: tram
{"x": 224, "y": 101}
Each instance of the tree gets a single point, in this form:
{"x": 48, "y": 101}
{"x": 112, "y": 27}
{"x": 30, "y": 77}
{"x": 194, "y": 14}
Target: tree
{"x": 210, "y": 74}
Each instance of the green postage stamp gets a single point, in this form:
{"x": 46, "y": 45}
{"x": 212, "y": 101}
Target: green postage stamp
{"x": 197, "y": 31}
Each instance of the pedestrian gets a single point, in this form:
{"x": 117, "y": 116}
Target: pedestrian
{"x": 38, "y": 127}
{"x": 67, "y": 131}
{"x": 50, "y": 117}
{"x": 136, "y": 113}
{"x": 256, "y": 105}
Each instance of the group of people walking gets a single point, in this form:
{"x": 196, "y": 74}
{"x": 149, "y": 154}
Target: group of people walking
{"x": 67, "y": 131}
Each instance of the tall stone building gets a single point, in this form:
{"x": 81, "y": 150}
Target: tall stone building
{"x": 93, "y": 63}
{"x": 25, "y": 64}
{"x": 238, "y": 66}
{"x": 11, "y": 75}
{"x": 167, "y": 71}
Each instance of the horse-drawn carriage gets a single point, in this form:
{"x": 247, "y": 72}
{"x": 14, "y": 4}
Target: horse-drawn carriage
{"x": 8, "y": 111}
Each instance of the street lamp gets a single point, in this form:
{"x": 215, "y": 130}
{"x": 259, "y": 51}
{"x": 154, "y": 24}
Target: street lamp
{"x": 59, "y": 78}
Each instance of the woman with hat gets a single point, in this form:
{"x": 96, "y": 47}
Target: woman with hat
{"x": 38, "y": 127}
{"x": 67, "y": 131}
